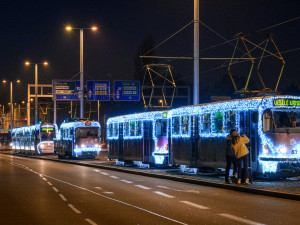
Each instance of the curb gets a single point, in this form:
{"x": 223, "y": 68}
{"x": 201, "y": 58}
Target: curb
{"x": 248, "y": 189}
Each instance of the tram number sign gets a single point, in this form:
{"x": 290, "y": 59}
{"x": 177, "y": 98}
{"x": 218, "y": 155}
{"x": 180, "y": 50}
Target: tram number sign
{"x": 98, "y": 90}
{"x": 286, "y": 102}
{"x": 126, "y": 90}
{"x": 66, "y": 90}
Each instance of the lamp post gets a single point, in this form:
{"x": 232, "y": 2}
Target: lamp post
{"x": 11, "y": 102}
{"x": 81, "y": 92}
{"x": 36, "y": 87}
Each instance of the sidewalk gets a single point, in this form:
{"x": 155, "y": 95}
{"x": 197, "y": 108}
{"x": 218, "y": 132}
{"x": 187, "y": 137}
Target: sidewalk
{"x": 285, "y": 188}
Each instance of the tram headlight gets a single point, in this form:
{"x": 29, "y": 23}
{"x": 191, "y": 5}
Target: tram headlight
{"x": 96, "y": 145}
{"x": 283, "y": 150}
{"x": 82, "y": 145}
{"x": 42, "y": 146}
{"x": 265, "y": 149}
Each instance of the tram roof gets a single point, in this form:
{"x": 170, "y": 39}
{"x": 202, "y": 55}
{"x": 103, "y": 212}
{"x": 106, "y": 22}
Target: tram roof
{"x": 252, "y": 103}
{"x": 80, "y": 124}
{"x": 139, "y": 116}
{"x": 32, "y": 127}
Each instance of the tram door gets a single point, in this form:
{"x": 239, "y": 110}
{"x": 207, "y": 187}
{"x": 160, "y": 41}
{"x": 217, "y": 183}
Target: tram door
{"x": 195, "y": 139}
{"x": 121, "y": 143}
{"x": 147, "y": 140}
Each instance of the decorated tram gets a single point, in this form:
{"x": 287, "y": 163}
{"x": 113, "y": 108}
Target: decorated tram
{"x": 35, "y": 139}
{"x": 79, "y": 139}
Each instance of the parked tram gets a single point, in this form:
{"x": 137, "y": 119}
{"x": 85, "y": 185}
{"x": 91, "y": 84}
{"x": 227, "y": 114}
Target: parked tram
{"x": 35, "y": 139}
{"x": 80, "y": 139}
{"x": 197, "y": 133}
{"x": 138, "y": 138}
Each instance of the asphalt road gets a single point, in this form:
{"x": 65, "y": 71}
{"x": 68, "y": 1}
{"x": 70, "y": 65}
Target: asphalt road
{"x": 34, "y": 191}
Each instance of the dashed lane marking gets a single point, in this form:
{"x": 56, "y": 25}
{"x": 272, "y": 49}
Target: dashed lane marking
{"x": 62, "y": 197}
{"x": 90, "y": 221}
{"x": 163, "y": 194}
{"x": 97, "y": 170}
{"x": 103, "y": 173}
{"x": 194, "y": 205}
{"x": 45, "y": 179}
{"x": 143, "y": 187}
{"x": 108, "y": 192}
{"x": 49, "y": 183}
{"x": 74, "y": 209}
{"x": 55, "y": 189}
{"x": 99, "y": 188}
{"x": 189, "y": 191}
{"x": 127, "y": 181}
{"x": 240, "y": 219}
{"x": 114, "y": 177}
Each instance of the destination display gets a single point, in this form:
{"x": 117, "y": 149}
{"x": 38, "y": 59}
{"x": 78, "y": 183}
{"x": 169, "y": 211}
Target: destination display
{"x": 66, "y": 90}
{"x": 98, "y": 90}
{"x": 127, "y": 90}
{"x": 286, "y": 102}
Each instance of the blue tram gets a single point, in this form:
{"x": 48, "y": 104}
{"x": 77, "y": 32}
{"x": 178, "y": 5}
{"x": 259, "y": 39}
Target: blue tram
{"x": 197, "y": 133}
{"x": 35, "y": 139}
{"x": 80, "y": 139}
{"x": 139, "y": 138}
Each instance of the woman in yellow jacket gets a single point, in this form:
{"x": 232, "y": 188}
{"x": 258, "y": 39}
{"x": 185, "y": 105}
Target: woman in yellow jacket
{"x": 241, "y": 152}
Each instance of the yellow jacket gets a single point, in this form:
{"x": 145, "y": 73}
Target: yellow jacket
{"x": 240, "y": 148}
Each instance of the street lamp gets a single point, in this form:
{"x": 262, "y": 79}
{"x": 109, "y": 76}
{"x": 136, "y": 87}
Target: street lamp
{"x": 45, "y": 63}
{"x": 162, "y": 103}
{"x": 93, "y": 28}
{"x": 11, "y": 102}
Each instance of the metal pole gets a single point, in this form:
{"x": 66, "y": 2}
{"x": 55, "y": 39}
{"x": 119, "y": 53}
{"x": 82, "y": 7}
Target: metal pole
{"x": 28, "y": 105}
{"x": 71, "y": 109}
{"x": 81, "y": 75}
{"x": 98, "y": 111}
{"x": 36, "y": 94}
{"x": 54, "y": 113}
{"x": 11, "y": 106}
{"x": 196, "y": 53}
{"x": 19, "y": 116}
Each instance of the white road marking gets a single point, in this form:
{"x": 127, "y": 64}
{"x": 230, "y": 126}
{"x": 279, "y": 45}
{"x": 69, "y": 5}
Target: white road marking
{"x": 195, "y": 205}
{"x": 190, "y": 191}
{"x": 74, "y": 209}
{"x": 163, "y": 194}
{"x": 143, "y": 187}
{"x": 97, "y": 170}
{"x": 45, "y": 179}
{"x": 240, "y": 219}
{"x": 41, "y": 175}
{"x": 49, "y": 183}
{"x": 108, "y": 192}
{"x": 90, "y": 221}
{"x": 62, "y": 197}
{"x": 103, "y": 173}
{"x": 100, "y": 188}
{"x": 112, "y": 199}
{"x": 55, "y": 189}
{"x": 127, "y": 181}
{"x": 114, "y": 177}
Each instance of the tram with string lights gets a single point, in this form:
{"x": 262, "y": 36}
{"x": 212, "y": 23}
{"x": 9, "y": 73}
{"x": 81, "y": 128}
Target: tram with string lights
{"x": 78, "y": 139}
{"x": 36, "y": 139}
{"x": 140, "y": 139}
{"x": 197, "y": 133}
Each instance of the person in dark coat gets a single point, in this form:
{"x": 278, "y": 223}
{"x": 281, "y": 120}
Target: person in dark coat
{"x": 230, "y": 157}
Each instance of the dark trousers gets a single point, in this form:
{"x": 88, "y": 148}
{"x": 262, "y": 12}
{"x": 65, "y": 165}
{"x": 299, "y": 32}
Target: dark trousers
{"x": 245, "y": 166}
{"x": 229, "y": 160}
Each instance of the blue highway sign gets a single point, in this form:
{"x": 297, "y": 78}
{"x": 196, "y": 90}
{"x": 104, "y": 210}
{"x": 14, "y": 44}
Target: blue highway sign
{"x": 66, "y": 89}
{"x": 98, "y": 90}
{"x": 127, "y": 90}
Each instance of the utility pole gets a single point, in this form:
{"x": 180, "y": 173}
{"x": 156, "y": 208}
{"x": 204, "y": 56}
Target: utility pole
{"x": 196, "y": 53}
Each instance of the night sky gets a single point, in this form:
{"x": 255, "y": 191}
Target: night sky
{"x": 34, "y": 31}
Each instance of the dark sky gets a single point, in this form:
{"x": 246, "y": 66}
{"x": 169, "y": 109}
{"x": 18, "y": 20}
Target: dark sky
{"x": 34, "y": 30}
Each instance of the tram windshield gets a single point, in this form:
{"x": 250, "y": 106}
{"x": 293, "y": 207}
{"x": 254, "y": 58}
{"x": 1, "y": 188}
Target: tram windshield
{"x": 87, "y": 132}
{"x": 47, "y": 134}
{"x": 281, "y": 121}
{"x": 161, "y": 128}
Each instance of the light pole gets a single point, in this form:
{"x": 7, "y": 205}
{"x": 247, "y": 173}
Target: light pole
{"x": 11, "y": 103}
{"x": 36, "y": 87}
{"x": 81, "y": 92}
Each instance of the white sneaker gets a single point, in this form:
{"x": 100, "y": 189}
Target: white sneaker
{"x": 239, "y": 181}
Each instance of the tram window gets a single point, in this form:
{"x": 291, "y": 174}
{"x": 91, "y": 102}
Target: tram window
{"x": 267, "y": 121}
{"x": 176, "y": 125}
{"x": 230, "y": 120}
{"x": 139, "y": 128}
{"x": 110, "y": 130}
{"x": 161, "y": 128}
{"x": 281, "y": 121}
{"x": 87, "y": 132}
{"x": 218, "y": 123}
{"x": 126, "y": 129}
{"x": 206, "y": 124}
{"x": 132, "y": 128}
{"x": 185, "y": 121}
{"x": 115, "y": 130}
